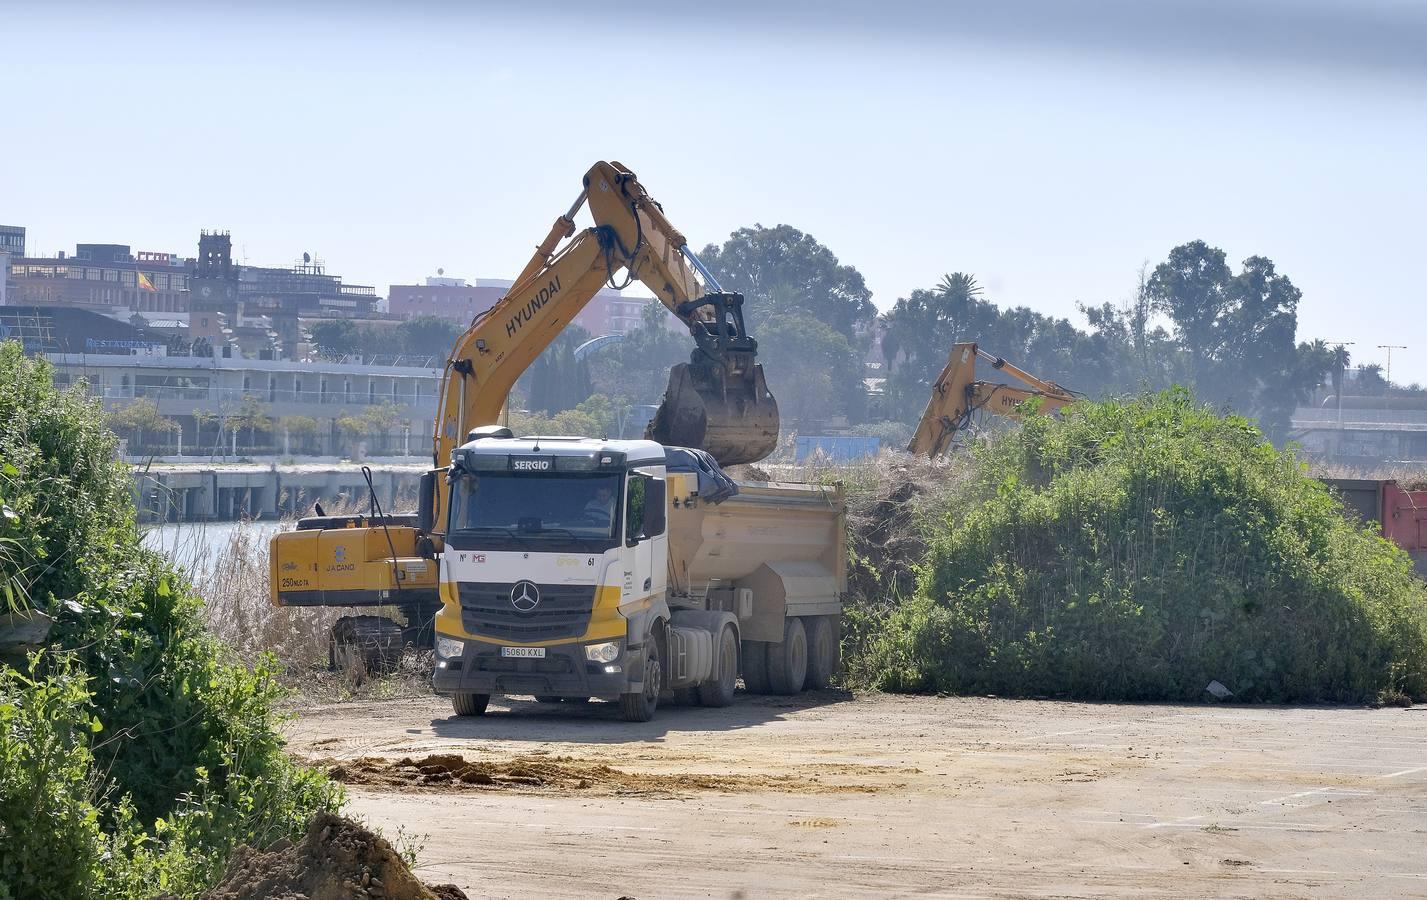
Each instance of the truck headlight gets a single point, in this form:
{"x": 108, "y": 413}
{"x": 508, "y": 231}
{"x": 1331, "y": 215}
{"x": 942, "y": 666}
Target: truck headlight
{"x": 449, "y": 648}
{"x": 607, "y": 652}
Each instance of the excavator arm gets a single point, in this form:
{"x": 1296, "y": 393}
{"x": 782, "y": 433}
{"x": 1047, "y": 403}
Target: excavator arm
{"x": 719, "y": 401}
{"x": 957, "y": 394}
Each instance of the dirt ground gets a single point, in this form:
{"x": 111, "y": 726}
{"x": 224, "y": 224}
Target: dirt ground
{"x": 829, "y": 795}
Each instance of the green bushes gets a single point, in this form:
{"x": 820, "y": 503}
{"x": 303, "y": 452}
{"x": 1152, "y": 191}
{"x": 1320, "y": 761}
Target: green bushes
{"x": 188, "y": 762}
{"x": 50, "y": 839}
{"x": 1140, "y": 549}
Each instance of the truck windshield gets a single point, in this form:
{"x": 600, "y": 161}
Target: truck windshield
{"x": 505, "y": 504}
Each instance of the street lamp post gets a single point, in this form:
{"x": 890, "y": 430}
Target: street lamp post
{"x": 1389, "y": 348}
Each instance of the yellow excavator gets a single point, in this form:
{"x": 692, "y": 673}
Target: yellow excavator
{"x": 957, "y": 394}
{"x": 718, "y": 402}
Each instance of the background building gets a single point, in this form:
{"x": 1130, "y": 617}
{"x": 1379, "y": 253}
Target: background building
{"x": 209, "y": 405}
{"x": 221, "y": 307}
{"x": 454, "y": 299}
{"x": 12, "y": 240}
{"x": 102, "y": 276}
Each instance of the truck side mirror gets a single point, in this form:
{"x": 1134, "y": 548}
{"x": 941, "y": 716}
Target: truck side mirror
{"x": 634, "y": 508}
{"x": 426, "y": 501}
{"x": 653, "y": 508}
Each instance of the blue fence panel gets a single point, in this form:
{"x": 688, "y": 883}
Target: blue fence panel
{"x": 836, "y": 447}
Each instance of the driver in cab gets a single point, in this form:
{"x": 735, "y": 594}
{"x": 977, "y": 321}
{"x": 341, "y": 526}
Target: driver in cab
{"x": 600, "y": 507}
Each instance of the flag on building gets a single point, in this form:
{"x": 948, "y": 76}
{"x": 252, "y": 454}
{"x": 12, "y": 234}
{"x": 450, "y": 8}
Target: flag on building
{"x": 145, "y": 284}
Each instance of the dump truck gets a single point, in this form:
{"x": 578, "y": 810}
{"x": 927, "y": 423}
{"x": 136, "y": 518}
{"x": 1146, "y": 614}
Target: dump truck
{"x": 625, "y": 570}
{"x": 382, "y": 566}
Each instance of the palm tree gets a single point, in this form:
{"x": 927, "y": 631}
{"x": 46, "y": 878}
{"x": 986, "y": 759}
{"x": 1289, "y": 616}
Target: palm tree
{"x": 959, "y": 286}
{"x": 1341, "y": 359}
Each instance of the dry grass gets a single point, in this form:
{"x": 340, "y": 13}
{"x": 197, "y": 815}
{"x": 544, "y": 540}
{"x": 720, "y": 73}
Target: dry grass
{"x": 237, "y": 606}
{"x": 1413, "y": 477}
{"x": 233, "y": 579}
{"x": 895, "y": 502}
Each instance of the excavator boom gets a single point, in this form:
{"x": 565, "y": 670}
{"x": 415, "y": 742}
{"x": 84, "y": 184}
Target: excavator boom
{"x": 719, "y": 401}
{"x": 957, "y": 394}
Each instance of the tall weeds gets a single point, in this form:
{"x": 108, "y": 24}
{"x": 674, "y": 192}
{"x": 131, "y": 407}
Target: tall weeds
{"x": 133, "y": 720}
{"x": 1140, "y": 549}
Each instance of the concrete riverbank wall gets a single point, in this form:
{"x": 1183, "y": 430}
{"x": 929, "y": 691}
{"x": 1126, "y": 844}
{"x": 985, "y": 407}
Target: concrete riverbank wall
{"x": 190, "y": 492}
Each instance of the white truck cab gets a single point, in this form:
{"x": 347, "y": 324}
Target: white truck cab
{"x": 555, "y": 578}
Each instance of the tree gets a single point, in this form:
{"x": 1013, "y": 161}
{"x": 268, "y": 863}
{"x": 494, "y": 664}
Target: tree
{"x": 1192, "y": 288}
{"x": 921, "y": 328}
{"x": 139, "y": 415}
{"x": 636, "y": 369}
{"x": 1341, "y": 359}
{"x": 557, "y": 381}
{"x": 596, "y": 416}
{"x": 373, "y": 421}
{"x": 335, "y": 338}
{"x": 1237, "y": 332}
{"x": 301, "y": 427}
{"x": 811, "y": 370}
{"x": 781, "y": 270}
{"x": 428, "y": 336}
{"x": 251, "y": 415}
{"x": 1371, "y": 382}
{"x": 810, "y": 314}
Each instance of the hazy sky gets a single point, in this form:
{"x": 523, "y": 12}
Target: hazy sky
{"x": 1050, "y": 148}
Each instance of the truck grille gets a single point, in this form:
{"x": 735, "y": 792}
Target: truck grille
{"x": 563, "y": 611}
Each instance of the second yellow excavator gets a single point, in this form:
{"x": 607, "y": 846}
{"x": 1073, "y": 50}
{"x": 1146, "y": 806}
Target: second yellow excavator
{"x": 957, "y": 394}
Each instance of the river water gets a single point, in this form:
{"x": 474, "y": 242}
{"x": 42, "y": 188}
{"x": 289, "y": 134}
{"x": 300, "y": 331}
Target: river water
{"x": 195, "y": 546}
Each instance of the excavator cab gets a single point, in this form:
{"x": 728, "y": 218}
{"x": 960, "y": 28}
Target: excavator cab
{"x": 719, "y": 400}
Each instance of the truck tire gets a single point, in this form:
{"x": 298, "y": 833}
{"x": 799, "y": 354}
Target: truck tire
{"x": 718, "y": 690}
{"x": 823, "y": 651}
{"x": 754, "y": 665}
{"x": 365, "y": 645}
{"x": 640, "y": 707}
{"x": 788, "y": 660}
{"x": 470, "y": 704}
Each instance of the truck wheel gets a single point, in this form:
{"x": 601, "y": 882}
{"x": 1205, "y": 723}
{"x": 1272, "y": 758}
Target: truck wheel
{"x": 754, "y": 659}
{"x": 719, "y": 690}
{"x": 788, "y": 661}
{"x": 470, "y": 704}
{"x": 640, "y": 707}
{"x": 822, "y": 651}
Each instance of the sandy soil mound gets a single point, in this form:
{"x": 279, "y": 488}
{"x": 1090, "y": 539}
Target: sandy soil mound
{"x": 337, "y": 860}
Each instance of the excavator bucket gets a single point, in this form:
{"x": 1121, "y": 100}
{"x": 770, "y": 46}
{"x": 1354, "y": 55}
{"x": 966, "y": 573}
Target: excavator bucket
{"x": 734, "y": 418}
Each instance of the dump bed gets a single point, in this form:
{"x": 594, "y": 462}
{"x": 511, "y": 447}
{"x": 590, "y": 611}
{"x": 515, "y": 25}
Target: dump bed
{"x": 775, "y": 546}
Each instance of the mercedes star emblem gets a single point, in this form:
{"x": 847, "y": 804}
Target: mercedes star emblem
{"x": 525, "y": 596}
